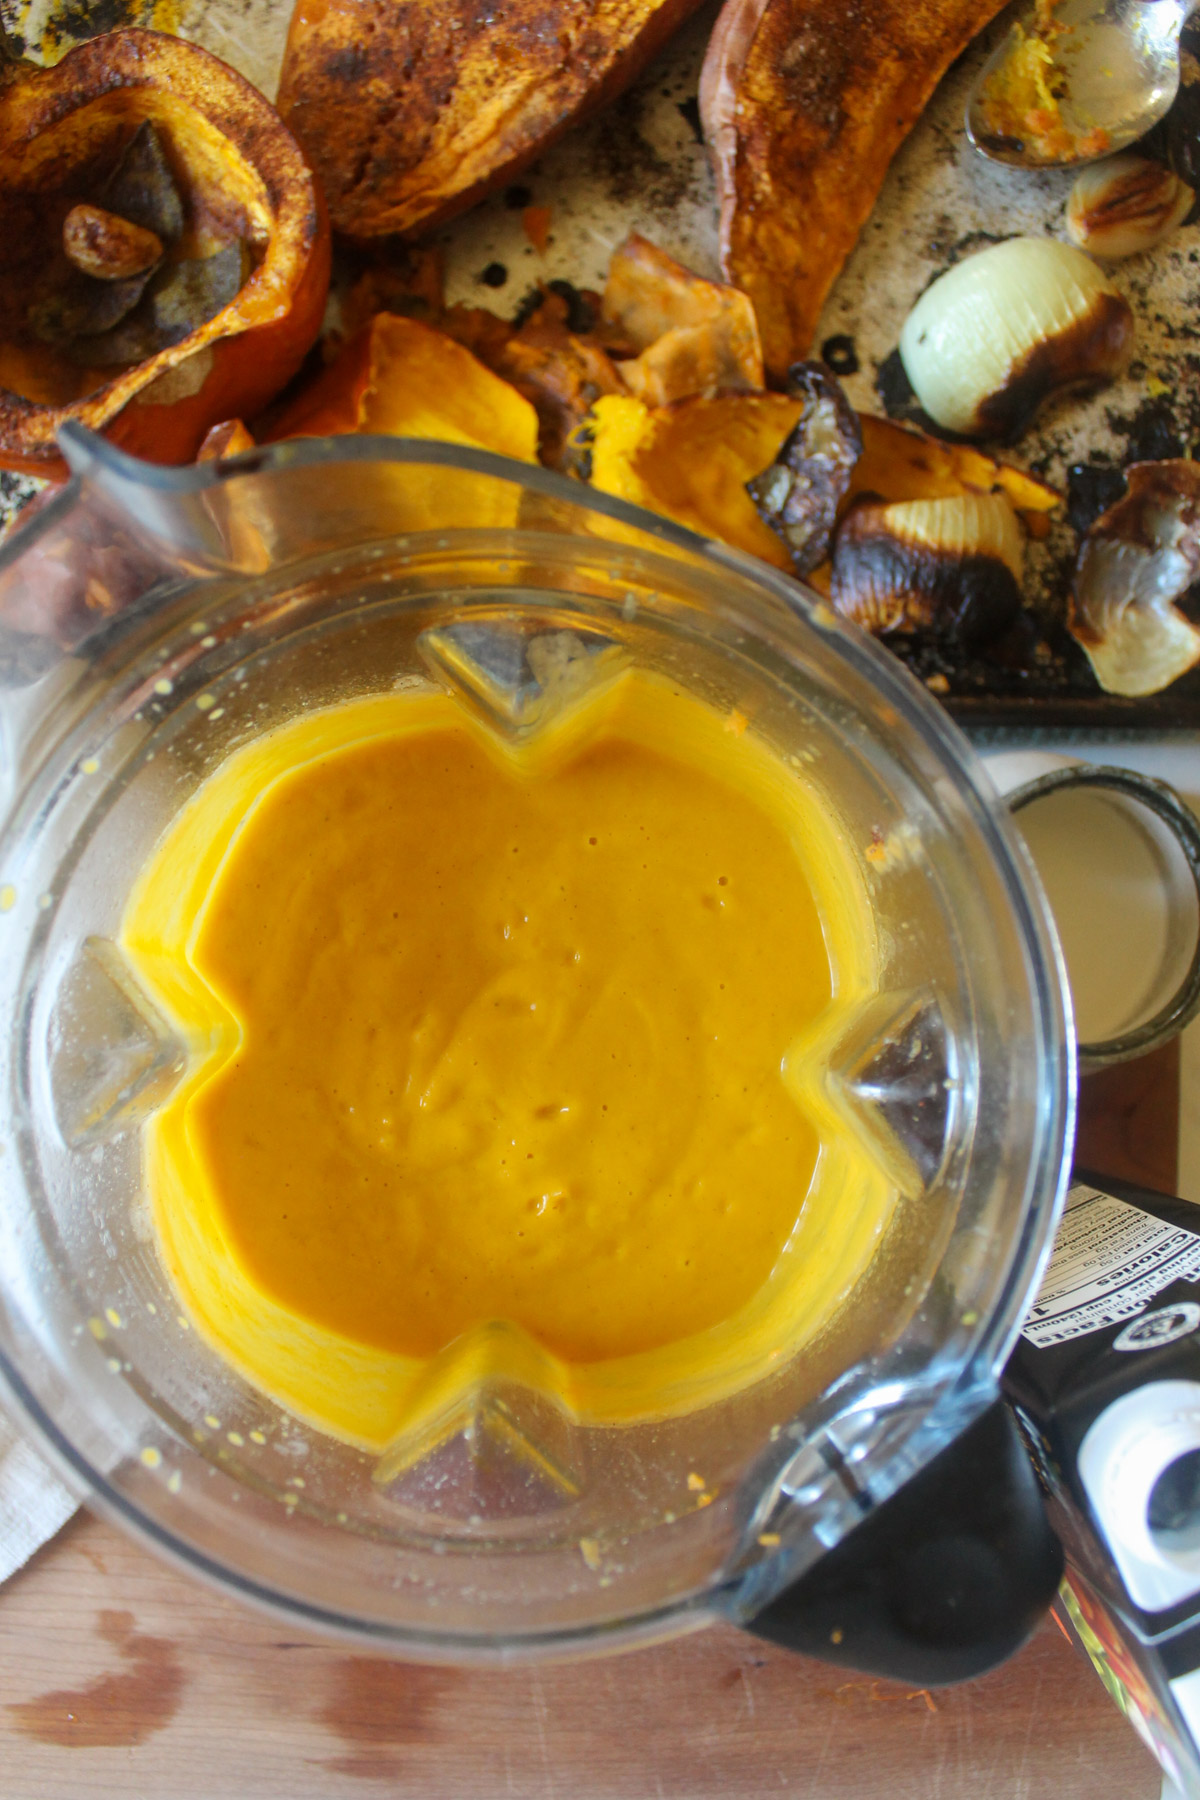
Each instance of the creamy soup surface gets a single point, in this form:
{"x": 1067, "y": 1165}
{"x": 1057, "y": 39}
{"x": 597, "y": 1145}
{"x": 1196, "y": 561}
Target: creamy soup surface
{"x": 494, "y": 1059}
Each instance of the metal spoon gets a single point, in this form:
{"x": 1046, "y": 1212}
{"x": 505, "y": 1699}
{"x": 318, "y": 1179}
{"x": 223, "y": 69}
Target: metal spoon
{"x": 1120, "y": 63}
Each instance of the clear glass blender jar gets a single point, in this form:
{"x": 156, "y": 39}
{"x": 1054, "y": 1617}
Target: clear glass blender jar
{"x": 151, "y": 621}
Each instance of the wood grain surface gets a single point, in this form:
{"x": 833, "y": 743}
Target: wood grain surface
{"x": 121, "y": 1679}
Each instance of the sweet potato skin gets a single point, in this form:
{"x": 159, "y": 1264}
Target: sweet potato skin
{"x": 804, "y": 104}
{"x": 411, "y": 110}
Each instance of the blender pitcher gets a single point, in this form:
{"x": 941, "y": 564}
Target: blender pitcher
{"x": 866, "y": 1500}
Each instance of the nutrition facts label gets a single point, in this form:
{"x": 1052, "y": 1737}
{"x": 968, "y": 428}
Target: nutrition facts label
{"x": 1109, "y": 1261}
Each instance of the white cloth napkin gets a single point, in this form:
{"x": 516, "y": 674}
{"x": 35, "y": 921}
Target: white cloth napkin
{"x": 34, "y": 1504}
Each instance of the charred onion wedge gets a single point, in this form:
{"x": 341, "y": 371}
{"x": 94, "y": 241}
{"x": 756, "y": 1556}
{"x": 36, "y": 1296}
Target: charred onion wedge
{"x": 799, "y": 494}
{"x": 804, "y": 104}
{"x": 1134, "y": 563}
{"x": 998, "y": 333}
{"x": 949, "y": 567}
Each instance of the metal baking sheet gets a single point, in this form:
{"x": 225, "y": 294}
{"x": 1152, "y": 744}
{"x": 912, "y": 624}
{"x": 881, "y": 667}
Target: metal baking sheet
{"x": 641, "y": 165}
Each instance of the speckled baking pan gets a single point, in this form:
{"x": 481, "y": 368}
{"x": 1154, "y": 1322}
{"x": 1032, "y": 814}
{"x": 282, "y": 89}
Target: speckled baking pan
{"x": 642, "y": 165}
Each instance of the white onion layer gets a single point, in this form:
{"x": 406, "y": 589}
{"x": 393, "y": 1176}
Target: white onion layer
{"x": 973, "y": 329}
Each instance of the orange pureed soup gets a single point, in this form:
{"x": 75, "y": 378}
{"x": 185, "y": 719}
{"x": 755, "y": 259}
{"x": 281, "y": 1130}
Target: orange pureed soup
{"x": 494, "y": 1059}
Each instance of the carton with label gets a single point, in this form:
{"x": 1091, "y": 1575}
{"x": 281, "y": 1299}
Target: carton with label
{"x": 1105, "y": 1383}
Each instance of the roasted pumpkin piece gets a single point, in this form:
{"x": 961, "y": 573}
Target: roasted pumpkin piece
{"x": 410, "y": 279}
{"x": 402, "y": 378}
{"x": 693, "y": 336}
{"x": 148, "y": 138}
{"x": 482, "y": 332}
{"x": 411, "y": 110}
{"x": 804, "y": 104}
{"x": 691, "y": 461}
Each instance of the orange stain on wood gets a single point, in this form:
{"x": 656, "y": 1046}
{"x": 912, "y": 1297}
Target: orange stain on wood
{"x": 379, "y": 1707}
{"x": 114, "y": 1711}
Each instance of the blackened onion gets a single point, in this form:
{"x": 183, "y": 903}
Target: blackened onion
{"x": 997, "y": 334}
{"x": 1134, "y": 563}
{"x": 950, "y": 568}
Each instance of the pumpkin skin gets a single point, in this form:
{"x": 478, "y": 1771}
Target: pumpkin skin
{"x": 242, "y": 175}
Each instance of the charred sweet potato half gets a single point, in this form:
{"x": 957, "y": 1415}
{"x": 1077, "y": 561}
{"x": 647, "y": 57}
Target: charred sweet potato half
{"x": 413, "y": 109}
{"x": 804, "y": 104}
{"x": 143, "y": 141}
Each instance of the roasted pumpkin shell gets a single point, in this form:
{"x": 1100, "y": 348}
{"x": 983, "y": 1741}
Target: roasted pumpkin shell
{"x": 62, "y": 129}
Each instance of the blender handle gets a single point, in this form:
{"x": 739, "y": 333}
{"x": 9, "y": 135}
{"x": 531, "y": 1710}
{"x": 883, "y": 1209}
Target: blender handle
{"x": 942, "y": 1581}
{"x": 1161, "y": 799}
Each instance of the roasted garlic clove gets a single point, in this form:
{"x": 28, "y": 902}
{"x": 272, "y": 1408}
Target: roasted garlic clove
{"x": 1001, "y": 331}
{"x": 799, "y": 493}
{"x": 1125, "y": 205}
{"x": 949, "y": 567}
{"x": 1134, "y": 562}
{"x": 106, "y": 247}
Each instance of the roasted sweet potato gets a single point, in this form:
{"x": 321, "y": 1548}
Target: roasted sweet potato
{"x": 410, "y": 110}
{"x": 804, "y": 104}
